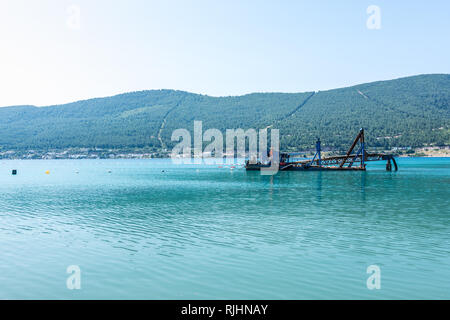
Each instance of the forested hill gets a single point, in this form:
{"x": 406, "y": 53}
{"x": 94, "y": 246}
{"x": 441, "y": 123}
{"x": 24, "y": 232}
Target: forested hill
{"x": 412, "y": 111}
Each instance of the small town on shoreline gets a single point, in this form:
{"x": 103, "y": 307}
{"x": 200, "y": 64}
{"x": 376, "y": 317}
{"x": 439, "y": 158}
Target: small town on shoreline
{"x": 150, "y": 153}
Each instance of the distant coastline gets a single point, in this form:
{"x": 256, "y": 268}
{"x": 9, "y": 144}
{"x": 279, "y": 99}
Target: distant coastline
{"x": 98, "y": 153}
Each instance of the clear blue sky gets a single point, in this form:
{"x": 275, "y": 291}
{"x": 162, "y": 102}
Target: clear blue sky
{"x": 212, "y": 47}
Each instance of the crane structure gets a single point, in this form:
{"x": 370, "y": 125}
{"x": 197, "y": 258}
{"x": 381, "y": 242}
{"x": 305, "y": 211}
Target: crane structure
{"x": 352, "y": 160}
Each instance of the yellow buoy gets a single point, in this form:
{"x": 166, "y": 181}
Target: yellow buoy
{"x": 47, "y": 172}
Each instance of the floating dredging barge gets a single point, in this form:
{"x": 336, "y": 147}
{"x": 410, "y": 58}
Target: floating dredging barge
{"x": 350, "y": 161}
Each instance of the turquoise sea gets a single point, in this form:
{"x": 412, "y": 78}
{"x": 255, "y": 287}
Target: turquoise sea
{"x": 149, "y": 229}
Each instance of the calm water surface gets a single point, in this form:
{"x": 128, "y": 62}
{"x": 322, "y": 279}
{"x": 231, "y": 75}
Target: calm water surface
{"x": 200, "y": 231}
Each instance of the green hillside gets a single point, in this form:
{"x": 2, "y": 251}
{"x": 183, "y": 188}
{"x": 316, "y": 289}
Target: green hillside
{"x": 411, "y": 111}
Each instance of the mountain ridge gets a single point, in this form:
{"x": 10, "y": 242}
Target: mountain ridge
{"x": 410, "y": 111}
{"x": 223, "y": 96}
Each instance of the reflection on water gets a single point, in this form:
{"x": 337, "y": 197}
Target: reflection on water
{"x": 319, "y": 186}
{"x": 150, "y": 229}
